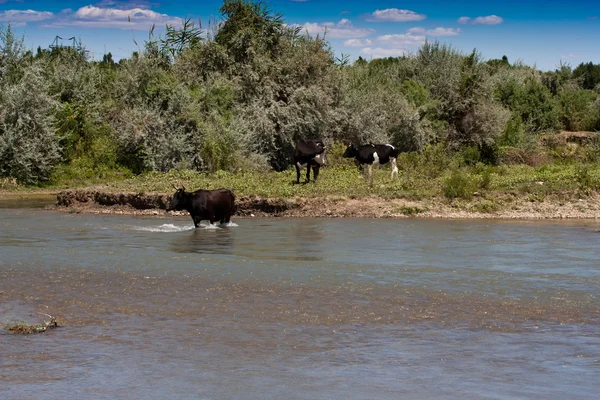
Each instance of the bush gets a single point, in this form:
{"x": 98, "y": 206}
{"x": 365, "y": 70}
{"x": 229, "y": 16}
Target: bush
{"x": 530, "y": 101}
{"x": 29, "y": 148}
{"x": 151, "y": 141}
{"x": 578, "y": 110}
{"x": 218, "y": 146}
{"x": 459, "y": 185}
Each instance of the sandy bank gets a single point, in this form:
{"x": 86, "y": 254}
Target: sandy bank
{"x": 505, "y": 206}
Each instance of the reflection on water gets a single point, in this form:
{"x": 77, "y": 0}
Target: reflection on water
{"x": 202, "y": 240}
{"x": 289, "y": 308}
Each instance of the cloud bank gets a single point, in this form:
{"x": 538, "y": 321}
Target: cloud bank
{"x": 394, "y": 15}
{"x": 488, "y": 20}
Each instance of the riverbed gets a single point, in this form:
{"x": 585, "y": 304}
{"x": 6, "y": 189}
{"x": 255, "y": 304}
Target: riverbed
{"x": 299, "y": 308}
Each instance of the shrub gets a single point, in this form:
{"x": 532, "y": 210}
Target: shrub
{"x": 29, "y": 148}
{"x": 577, "y": 109}
{"x": 218, "y": 146}
{"x": 459, "y": 185}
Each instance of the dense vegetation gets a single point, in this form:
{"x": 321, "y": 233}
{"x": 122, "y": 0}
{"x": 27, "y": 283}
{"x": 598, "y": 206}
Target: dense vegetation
{"x": 238, "y": 96}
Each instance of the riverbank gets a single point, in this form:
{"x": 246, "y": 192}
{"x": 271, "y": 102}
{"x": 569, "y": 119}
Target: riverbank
{"x": 501, "y": 206}
{"x": 508, "y": 192}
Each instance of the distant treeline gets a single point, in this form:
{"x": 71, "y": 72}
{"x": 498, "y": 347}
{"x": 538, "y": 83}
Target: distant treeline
{"x": 240, "y": 94}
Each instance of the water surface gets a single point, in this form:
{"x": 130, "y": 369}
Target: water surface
{"x": 299, "y": 308}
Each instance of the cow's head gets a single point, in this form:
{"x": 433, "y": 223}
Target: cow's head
{"x": 178, "y": 199}
{"x": 320, "y": 157}
{"x": 351, "y": 151}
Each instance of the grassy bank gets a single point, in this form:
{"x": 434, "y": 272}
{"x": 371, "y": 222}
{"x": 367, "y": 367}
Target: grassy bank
{"x": 427, "y": 186}
{"x": 460, "y": 183}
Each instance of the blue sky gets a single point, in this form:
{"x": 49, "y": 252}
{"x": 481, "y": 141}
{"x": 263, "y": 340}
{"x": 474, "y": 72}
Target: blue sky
{"x": 537, "y": 32}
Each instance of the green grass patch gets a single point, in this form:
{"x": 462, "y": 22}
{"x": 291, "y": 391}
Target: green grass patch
{"x": 416, "y": 182}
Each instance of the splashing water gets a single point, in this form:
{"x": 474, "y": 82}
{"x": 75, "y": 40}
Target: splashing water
{"x": 164, "y": 228}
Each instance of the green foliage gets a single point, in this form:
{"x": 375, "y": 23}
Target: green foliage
{"x": 459, "y": 185}
{"x": 29, "y": 148}
{"x": 514, "y": 134}
{"x": 415, "y": 93}
{"x": 411, "y": 211}
{"x": 218, "y": 146}
{"x": 470, "y": 155}
{"x": 178, "y": 40}
{"x": 12, "y": 53}
{"x": 248, "y": 26}
{"x": 585, "y": 178}
{"x": 578, "y": 109}
{"x": 531, "y": 101}
{"x": 240, "y": 97}
{"x": 588, "y": 74}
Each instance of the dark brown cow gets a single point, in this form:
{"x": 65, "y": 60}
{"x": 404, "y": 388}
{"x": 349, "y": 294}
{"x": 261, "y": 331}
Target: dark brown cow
{"x": 211, "y": 205}
{"x": 307, "y": 154}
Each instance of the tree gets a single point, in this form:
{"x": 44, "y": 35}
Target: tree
{"x": 588, "y": 75}
{"x": 178, "y": 40}
{"x": 246, "y": 25}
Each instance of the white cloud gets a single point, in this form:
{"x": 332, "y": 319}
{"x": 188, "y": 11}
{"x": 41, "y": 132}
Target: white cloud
{"x": 97, "y": 17}
{"x": 487, "y": 20}
{"x": 358, "y": 42}
{"x": 341, "y": 30}
{"x": 394, "y": 45}
{"x": 380, "y": 52}
{"x": 401, "y": 40}
{"x": 394, "y": 15}
{"x": 22, "y": 17}
{"x": 439, "y": 31}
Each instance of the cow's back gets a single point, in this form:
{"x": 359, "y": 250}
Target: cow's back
{"x": 308, "y": 148}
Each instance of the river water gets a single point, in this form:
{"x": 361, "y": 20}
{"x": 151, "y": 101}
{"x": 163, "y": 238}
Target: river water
{"x": 299, "y": 308}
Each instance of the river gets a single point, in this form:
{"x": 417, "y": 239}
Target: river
{"x": 299, "y": 308}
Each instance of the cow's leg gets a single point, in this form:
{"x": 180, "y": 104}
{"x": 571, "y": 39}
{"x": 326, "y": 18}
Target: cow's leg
{"x": 394, "y": 167}
{"x": 196, "y": 220}
{"x": 316, "y": 169}
{"x": 308, "y": 173}
{"x": 297, "y": 173}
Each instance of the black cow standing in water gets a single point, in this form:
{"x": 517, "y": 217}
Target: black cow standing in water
{"x": 373, "y": 154}
{"x": 307, "y": 154}
{"x": 211, "y": 205}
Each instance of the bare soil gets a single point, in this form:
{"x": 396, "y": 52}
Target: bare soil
{"x": 501, "y": 206}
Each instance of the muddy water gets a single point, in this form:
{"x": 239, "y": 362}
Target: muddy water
{"x": 299, "y": 308}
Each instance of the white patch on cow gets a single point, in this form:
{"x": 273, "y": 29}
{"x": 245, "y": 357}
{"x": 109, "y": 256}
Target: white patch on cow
{"x": 301, "y": 165}
{"x": 375, "y": 158}
{"x": 320, "y": 159}
{"x": 394, "y": 167}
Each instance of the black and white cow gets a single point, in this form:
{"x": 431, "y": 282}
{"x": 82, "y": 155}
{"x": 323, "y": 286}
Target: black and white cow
{"x": 211, "y": 205}
{"x": 373, "y": 154}
{"x": 307, "y": 154}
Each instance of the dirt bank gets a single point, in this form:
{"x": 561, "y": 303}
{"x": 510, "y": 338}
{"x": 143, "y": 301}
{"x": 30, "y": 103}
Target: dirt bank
{"x": 506, "y": 206}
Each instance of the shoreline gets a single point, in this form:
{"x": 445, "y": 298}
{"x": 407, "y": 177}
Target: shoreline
{"x": 503, "y": 206}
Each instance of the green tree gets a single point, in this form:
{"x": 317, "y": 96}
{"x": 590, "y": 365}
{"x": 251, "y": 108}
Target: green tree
{"x": 588, "y": 74}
